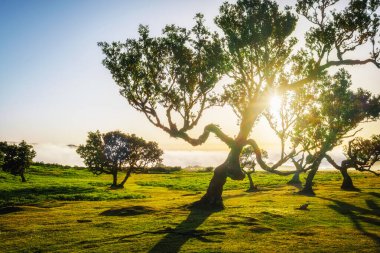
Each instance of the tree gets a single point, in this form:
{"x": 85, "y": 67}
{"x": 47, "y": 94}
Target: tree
{"x": 178, "y": 72}
{"x": 361, "y": 154}
{"x": 142, "y": 155}
{"x": 2, "y": 155}
{"x": 248, "y": 163}
{"x": 336, "y": 111}
{"x": 115, "y": 151}
{"x": 16, "y": 159}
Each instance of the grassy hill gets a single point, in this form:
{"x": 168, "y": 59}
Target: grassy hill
{"x": 71, "y": 210}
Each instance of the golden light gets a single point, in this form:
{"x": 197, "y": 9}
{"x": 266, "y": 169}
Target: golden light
{"x": 275, "y": 104}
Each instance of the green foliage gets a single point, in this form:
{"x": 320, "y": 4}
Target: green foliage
{"x": 363, "y": 153}
{"x": 335, "y": 111}
{"x": 93, "y": 154}
{"x": 258, "y": 41}
{"x": 115, "y": 151}
{"x": 16, "y": 159}
{"x": 176, "y": 71}
{"x": 343, "y": 31}
{"x": 160, "y": 168}
{"x": 248, "y": 158}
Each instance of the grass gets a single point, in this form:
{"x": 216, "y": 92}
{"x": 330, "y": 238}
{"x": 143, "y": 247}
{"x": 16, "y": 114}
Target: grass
{"x": 70, "y": 210}
{"x": 56, "y": 183}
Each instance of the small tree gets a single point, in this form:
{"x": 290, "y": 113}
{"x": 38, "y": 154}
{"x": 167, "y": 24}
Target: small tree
{"x": 115, "y": 151}
{"x": 16, "y": 159}
{"x": 248, "y": 163}
{"x": 361, "y": 154}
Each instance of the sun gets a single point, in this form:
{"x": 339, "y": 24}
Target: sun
{"x": 275, "y": 104}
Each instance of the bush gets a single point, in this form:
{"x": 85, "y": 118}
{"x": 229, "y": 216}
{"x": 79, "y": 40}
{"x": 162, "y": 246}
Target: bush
{"x": 163, "y": 169}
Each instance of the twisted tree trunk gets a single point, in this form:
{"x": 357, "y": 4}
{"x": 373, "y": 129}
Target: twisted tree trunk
{"x": 308, "y": 187}
{"x": 22, "y": 177}
{"x": 295, "y": 179}
{"x": 114, "y": 179}
{"x": 252, "y": 187}
{"x": 347, "y": 184}
{"x": 230, "y": 168}
{"x": 127, "y": 175}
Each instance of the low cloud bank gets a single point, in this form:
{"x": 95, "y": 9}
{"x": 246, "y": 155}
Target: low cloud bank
{"x": 66, "y": 155}
{"x": 53, "y": 153}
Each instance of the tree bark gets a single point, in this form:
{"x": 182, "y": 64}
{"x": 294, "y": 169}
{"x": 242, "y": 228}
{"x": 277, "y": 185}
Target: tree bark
{"x": 114, "y": 179}
{"x": 127, "y": 175}
{"x": 252, "y": 187}
{"x": 347, "y": 184}
{"x": 22, "y": 177}
{"x": 230, "y": 168}
{"x": 295, "y": 180}
{"x": 308, "y": 187}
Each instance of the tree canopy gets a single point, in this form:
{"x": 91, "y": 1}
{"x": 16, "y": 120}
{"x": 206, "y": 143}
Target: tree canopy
{"x": 115, "y": 151}
{"x": 177, "y": 73}
{"x": 16, "y": 159}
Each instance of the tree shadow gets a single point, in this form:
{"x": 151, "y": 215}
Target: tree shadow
{"x": 357, "y": 215}
{"x": 29, "y": 195}
{"x": 10, "y": 209}
{"x": 128, "y": 211}
{"x": 186, "y": 230}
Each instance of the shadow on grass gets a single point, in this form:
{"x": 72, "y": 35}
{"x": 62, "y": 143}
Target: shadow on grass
{"x": 128, "y": 211}
{"x": 356, "y": 215}
{"x": 186, "y": 230}
{"x": 39, "y": 193}
{"x": 10, "y": 209}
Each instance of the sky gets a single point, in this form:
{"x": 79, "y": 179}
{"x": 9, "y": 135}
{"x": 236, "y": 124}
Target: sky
{"x": 54, "y": 89}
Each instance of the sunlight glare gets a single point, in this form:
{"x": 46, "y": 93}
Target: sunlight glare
{"x": 275, "y": 104}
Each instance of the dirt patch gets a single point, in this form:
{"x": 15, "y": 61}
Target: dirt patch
{"x": 128, "y": 211}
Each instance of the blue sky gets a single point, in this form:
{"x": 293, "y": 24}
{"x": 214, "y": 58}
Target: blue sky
{"x": 53, "y": 87}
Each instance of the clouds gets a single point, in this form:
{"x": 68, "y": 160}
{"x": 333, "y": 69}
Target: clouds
{"x": 53, "y": 153}
{"x": 66, "y": 155}
{"x": 194, "y": 158}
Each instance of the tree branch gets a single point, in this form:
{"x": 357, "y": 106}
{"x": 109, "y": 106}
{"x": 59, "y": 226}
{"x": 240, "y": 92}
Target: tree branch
{"x": 264, "y": 166}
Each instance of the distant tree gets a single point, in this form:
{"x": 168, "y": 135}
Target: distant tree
{"x": 16, "y": 159}
{"x": 115, "y": 151}
{"x": 2, "y": 155}
{"x": 361, "y": 154}
{"x": 282, "y": 119}
{"x": 335, "y": 112}
{"x": 177, "y": 73}
{"x": 142, "y": 155}
{"x": 248, "y": 163}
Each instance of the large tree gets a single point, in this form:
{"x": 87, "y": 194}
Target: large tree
{"x": 115, "y": 151}
{"x": 177, "y": 73}
{"x": 16, "y": 159}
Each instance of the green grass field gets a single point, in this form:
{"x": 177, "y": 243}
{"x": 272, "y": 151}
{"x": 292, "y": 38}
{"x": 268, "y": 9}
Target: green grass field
{"x": 71, "y": 210}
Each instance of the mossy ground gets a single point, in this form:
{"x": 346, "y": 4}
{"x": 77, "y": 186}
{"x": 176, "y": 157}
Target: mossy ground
{"x": 69, "y": 210}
